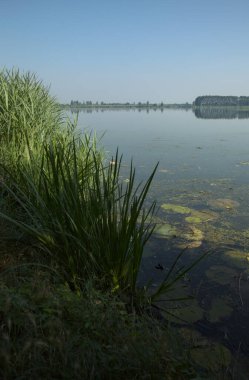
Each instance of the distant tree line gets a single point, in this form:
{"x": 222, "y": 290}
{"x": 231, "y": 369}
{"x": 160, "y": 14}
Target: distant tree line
{"x": 221, "y": 101}
{"x": 90, "y": 104}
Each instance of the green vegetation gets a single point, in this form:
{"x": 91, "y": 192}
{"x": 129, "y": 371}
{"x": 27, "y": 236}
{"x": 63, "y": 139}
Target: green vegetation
{"x": 221, "y": 107}
{"x": 28, "y": 117}
{"x": 72, "y": 239}
{"x": 74, "y": 208}
{"x": 194, "y": 217}
{"x": 221, "y": 101}
{"x": 50, "y": 332}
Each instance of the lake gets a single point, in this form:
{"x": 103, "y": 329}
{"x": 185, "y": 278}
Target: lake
{"x": 202, "y": 192}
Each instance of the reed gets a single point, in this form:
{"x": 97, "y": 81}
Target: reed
{"x": 26, "y": 110}
{"x": 26, "y": 107}
{"x": 65, "y": 198}
{"x": 74, "y": 207}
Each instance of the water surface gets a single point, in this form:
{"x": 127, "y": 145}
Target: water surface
{"x": 204, "y": 167}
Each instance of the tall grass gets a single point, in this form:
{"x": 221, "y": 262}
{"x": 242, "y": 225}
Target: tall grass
{"x": 26, "y": 107}
{"x": 26, "y": 111}
{"x": 75, "y": 207}
{"x": 67, "y": 201}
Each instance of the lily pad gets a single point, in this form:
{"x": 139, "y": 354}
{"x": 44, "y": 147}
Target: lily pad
{"x": 193, "y": 219}
{"x": 194, "y": 216}
{"x": 223, "y": 203}
{"x": 176, "y": 208}
{"x": 237, "y": 258}
{"x": 165, "y": 230}
{"x": 194, "y": 238}
{"x": 220, "y": 308}
{"x": 221, "y": 274}
{"x": 193, "y": 234}
{"x": 201, "y": 216}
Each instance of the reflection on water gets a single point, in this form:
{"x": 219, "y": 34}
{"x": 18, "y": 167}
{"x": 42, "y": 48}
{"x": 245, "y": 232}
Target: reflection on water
{"x": 202, "y": 190}
{"x": 200, "y": 112}
{"x": 155, "y": 108}
{"x": 221, "y": 113}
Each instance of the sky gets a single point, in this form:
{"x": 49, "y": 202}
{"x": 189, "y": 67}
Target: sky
{"x": 129, "y": 50}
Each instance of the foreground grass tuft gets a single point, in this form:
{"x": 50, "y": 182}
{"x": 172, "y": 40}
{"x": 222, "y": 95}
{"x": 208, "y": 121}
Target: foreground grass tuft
{"x": 48, "y": 331}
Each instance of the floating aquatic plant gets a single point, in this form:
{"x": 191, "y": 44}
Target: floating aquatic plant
{"x": 165, "y": 230}
{"x": 176, "y": 208}
{"x": 223, "y": 203}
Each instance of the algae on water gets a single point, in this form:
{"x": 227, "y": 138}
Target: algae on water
{"x": 165, "y": 230}
{"x": 223, "y": 203}
{"x": 194, "y": 216}
{"x": 236, "y": 258}
{"x": 201, "y": 216}
{"x": 193, "y": 237}
{"x": 176, "y": 208}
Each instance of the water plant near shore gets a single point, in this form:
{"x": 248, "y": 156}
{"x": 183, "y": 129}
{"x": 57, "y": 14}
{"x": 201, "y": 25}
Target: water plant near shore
{"x": 68, "y": 201}
{"x": 74, "y": 207}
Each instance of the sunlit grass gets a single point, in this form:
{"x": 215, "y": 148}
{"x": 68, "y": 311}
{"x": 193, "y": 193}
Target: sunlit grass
{"x": 26, "y": 107}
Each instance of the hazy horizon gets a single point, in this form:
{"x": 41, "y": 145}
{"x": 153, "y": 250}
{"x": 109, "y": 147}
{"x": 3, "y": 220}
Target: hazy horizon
{"x": 129, "y": 51}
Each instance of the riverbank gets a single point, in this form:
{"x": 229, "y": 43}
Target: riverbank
{"x": 72, "y": 239}
{"x": 72, "y": 242}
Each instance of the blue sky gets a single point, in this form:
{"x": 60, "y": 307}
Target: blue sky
{"x": 133, "y": 50}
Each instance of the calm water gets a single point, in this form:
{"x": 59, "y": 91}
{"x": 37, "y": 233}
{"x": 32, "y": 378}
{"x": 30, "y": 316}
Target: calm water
{"x": 204, "y": 167}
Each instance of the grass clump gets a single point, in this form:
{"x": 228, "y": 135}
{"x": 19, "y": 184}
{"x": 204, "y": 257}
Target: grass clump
{"x": 63, "y": 197}
{"x": 78, "y": 223}
{"x": 48, "y": 331}
{"x": 68, "y": 202}
{"x": 73, "y": 206}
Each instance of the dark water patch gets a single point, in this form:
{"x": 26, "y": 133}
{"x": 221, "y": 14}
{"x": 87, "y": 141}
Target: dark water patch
{"x": 221, "y": 310}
